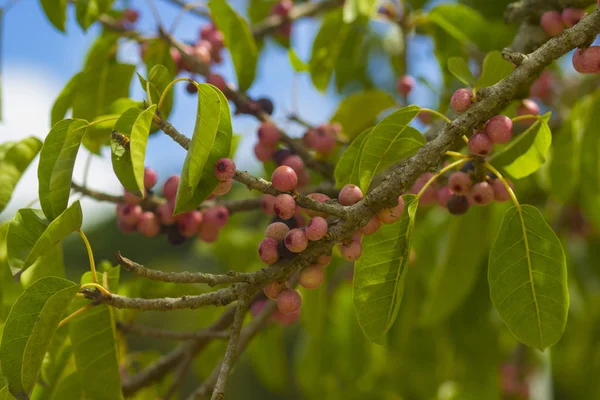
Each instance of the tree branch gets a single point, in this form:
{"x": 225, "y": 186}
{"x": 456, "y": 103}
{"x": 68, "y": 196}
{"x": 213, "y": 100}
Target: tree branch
{"x": 170, "y": 335}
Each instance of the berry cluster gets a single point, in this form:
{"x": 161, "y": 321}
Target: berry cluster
{"x": 323, "y": 138}
{"x": 135, "y": 214}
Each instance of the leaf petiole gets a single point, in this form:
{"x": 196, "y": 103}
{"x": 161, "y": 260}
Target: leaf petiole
{"x": 457, "y": 154}
{"x": 90, "y": 255}
{"x": 99, "y": 121}
{"x": 438, "y": 114}
{"x": 440, "y": 173}
{"x": 75, "y": 313}
{"x": 526, "y": 117}
{"x": 163, "y": 96}
{"x": 97, "y": 286}
{"x": 506, "y": 185}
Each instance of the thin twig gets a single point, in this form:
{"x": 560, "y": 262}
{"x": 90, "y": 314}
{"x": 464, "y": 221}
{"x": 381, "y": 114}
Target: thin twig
{"x": 170, "y": 335}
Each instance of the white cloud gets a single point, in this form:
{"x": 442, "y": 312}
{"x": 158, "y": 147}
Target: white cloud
{"x": 27, "y": 98}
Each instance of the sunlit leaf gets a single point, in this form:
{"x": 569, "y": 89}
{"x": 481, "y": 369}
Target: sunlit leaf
{"x": 159, "y": 78}
{"x": 370, "y": 103}
{"x": 14, "y": 160}
{"x": 56, "y": 11}
{"x": 459, "y": 67}
{"x": 88, "y": 11}
{"x": 64, "y": 101}
{"x": 296, "y": 62}
{"x": 494, "y": 69}
{"x": 528, "y": 278}
{"x": 346, "y": 169}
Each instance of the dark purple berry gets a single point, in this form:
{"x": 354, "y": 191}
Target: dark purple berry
{"x": 457, "y": 205}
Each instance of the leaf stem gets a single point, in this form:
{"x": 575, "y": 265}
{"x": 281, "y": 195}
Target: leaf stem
{"x": 457, "y": 154}
{"x": 99, "y": 121}
{"x": 465, "y": 139}
{"x": 442, "y": 116}
{"x": 90, "y": 255}
{"x": 75, "y": 313}
{"x": 97, "y": 286}
{"x": 525, "y": 117}
{"x": 440, "y": 173}
{"x": 506, "y": 185}
{"x": 163, "y": 96}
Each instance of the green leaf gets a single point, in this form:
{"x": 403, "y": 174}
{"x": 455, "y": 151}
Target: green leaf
{"x": 68, "y": 387}
{"x": 14, "y": 160}
{"x": 528, "y": 278}
{"x": 346, "y": 169}
{"x": 389, "y": 142}
{"x": 210, "y": 142}
{"x": 55, "y": 363}
{"x": 351, "y": 64}
{"x": 380, "y": 271}
{"x": 56, "y": 12}
{"x": 326, "y": 48}
{"x": 29, "y": 329}
{"x": 259, "y": 10}
{"x": 95, "y": 346}
{"x": 65, "y": 99}
{"x": 466, "y": 246}
{"x": 296, "y": 62}
{"x": 159, "y": 78}
{"x": 370, "y": 103}
{"x": 584, "y": 118}
{"x": 394, "y": 45}
{"x": 30, "y": 235}
{"x": 51, "y": 263}
{"x": 88, "y": 11}
{"x": 355, "y": 8}
{"x": 238, "y": 39}
{"x": 495, "y": 68}
{"x": 128, "y": 164}
{"x": 526, "y": 153}
{"x": 57, "y": 159}
{"x": 459, "y": 67}
{"x": 269, "y": 360}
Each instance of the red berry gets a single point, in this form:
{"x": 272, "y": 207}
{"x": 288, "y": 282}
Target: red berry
{"x": 150, "y": 178}
{"x": 284, "y": 206}
{"x": 130, "y": 214}
{"x": 480, "y": 144}
{"x": 267, "y": 203}
{"x": 323, "y": 260}
{"x": 461, "y": 100}
{"x": 223, "y": 187}
{"x": 165, "y": 213}
{"x": 391, "y": 215}
{"x": 542, "y": 87}
{"x": 528, "y": 107}
{"x": 311, "y": 277}
{"x": 351, "y": 251}
{"x": 202, "y": 53}
{"x": 572, "y": 16}
{"x": 316, "y": 228}
{"x": 273, "y": 289}
{"x": 208, "y": 232}
{"x": 405, "y": 85}
{"x": 267, "y": 251}
{"x": 170, "y": 187}
{"x": 217, "y": 216}
{"x": 131, "y": 15}
{"x": 285, "y": 319}
{"x": 218, "y": 81}
{"x": 295, "y": 163}
{"x": 284, "y": 178}
{"x": 224, "y": 169}
{"x": 457, "y": 205}
{"x": 289, "y": 301}
{"x": 263, "y": 152}
{"x": 482, "y": 193}
{"x": 282, "y": 8}
{"x": 321, "y": 198}
{"x": 124, "y": 227}
{"x": 587, "y": 61}
{"x": 443, "y": 195}
{"x": 268, "y": 134}
{"x": 552, "y": 23}
{"x": 189, "y": 223}
{"x": 296, "y": 241}
{"x": 501, "y": 194}
{"x": 131, "y": 198}
{"x": 460, "y": 183}
{"x": 148, "y": 224}
{"x": 277, "y": 230}
{"x": 349, "y": 195}
{"x": 371, "y": 227}
{"x": 499, "y": 129}
{"x": 322, "y": 139}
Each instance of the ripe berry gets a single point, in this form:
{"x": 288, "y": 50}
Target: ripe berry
{"x": 150, "y": 178}
{"x": 391, "y": 215}
{"x": 267, "y": 251}
{"x": 587, "y": 61}
{"x": 303, "y": 179}
{"x": 217, "y": 216}
{"x": 284, "y": 206}
{"x": 131, "y": 15}
{"x": 273, "y": 289}
{"x": 281, "y": 155}
{"x": 224, "y": 169}
{"x": 542, "y": 87}
{"x": 323, "y": 260}
{"x": 371, "y": 227}
{"x": 217, "y": 80}
{"x": 500, "y": 192}
{"x": 202, "y": 52}
{"x": 443, "y": 195}
{"x": 165, "y": 213}
{"x": 284, "y": 178}
{"x": 131, "y": 198}
{"x": 322, "y": 139}
{"x": 311, "y": 277}
{"x": 405, "y": 85}
{"x": 321, "y": 198}
{"x": 552, "y": 23}
{"x": 124, "y": 227}
{"x": 572, "y": 16}
{"x": 528, "y": 107}
{"x": 482, "y": 193}
{"x": 296, "y": 240}
{"x": 268, "y": 133}
{"x": 461, "y": 100}
{"x": 480, "y": 144}
{"x": 460, "y": 183}
{"x": 266, "y": 105}
{"x": 351, "y": 251}
{"x": 223, "y": 187}
{"x": 425, "y": 118}
{"x": 294, "y": 162}
{"x": 130, "y": 214}
{"x": 289, "y": 301}
{"x": 499, "y": 129}
{"x": 277, "y": 230}
{"x": 349, "y": 195}
{"x": 284, "y": 252}
{"x": 457, "y": 205}
{"x": 282, "y": 8}
{"x": 316, "y": 228}
{"x": 264, "y": 152}
{"x": 267, "y": 202}
{"x": 208, "y": 232}
{"x": 148, "y": 224}
{"x": 170, "y": 187}
{"x": 189, "y": 222}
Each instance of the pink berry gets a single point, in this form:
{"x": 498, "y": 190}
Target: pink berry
{"x": 480, "y": 144}
{"x": 267, "y": 203}
{"x": 284, "y": 206}
{"x": 207, "y": 31}
{"x": 443, "y": 195}
{"x": 572, "y": 16}
{"x": 552, "y": 23}
{"x": 349, "y": 195}
{"x": 429, "y": 196}
{"x": 124, "y": 227}
{"x": 316, "y": 228}
{"x": 189, "y": 222}
{"x": 482, "y": 193}
{"x": 282, "y": 8}
{"x": 500, "y": 192}
{"x": 218, "y": 81}
{"x": 267, "y": 251}
{"x": 223, "y": 187}
{"x": 224, "y": 169}
{"x": 268, "y": 133}
{"x": 311, "y": 277}
{"x": 371, "y": 227}
{"x": 460, "y": 183}
{"x": 130, "y": 214}
{"x": 499, "y": 129}
{"x": 323, "y": 260}
{"x": 257, "y": 307}
{"x": 425, "y": 118}
{"x": 284, "y": 178}
{"x": 289, "y": 301}
{"x": 165, "y": 213}
{"x": 322, "y": 139}
{"x": 461, "y": 100}
{"x": 131, "y": 15}
{"x": 201, "y": 53}
{"x": 208, "y": 233}
{"x": 391, "y": 215}
{"x": 542, "y": 87}
{"x": 170, "y": 187}
{"x": 150, "y": 178}
{"x": 285, "y": 319}
{"x": 296, "y": 240}
{"x": 295, "y": 163}
{"x": 217, "y": 216}
{"x": 405, "y": 84}
{"x": 528, "y": 107}
{"x": 299, "y": 218}
{"x": 303, "y": 179}
{"x": 131, "y": 198}
{"x": 273, "y": 289}
{"x": 351, "y": 251}
{"x": 277, "y": 230}
{"x": 587, "y": 61}
{"x": 264, "y": 152}
{"x": 148, "y": 224}
{"x": 321, "y": 198}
